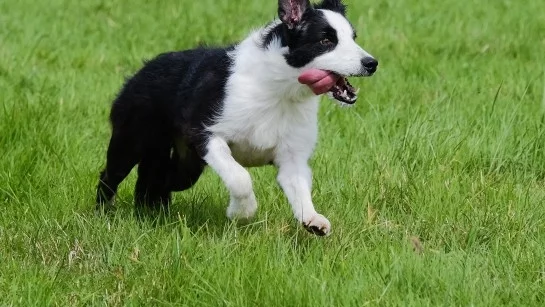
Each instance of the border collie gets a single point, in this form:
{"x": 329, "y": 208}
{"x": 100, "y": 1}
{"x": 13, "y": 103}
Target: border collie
{"x": 250, "y": 104}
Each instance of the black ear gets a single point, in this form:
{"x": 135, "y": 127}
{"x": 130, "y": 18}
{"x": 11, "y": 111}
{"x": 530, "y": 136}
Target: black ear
{"x": 291, "y": 11}
{"x": 332, "y": 5}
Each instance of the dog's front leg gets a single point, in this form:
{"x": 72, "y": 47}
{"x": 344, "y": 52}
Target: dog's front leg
{"x": 236, "y": 178}
{"x": 295, "y": 179}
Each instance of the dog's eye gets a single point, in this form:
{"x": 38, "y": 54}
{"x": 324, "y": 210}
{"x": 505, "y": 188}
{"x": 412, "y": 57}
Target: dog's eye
{"x": 325, "y": 42}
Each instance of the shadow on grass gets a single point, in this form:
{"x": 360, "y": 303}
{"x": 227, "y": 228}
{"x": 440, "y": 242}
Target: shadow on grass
{"x": 199, "y": 216}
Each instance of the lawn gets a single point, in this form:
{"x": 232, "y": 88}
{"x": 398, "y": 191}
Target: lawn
{"x": 434, "y": 182}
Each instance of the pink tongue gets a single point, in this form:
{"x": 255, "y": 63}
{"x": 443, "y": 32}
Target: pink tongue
{"x": 319, "y": 81}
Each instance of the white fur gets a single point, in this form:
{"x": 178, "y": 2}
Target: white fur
{"x": 269, "y": 117}
{"x": 237, "y": 180}
{"x": 346, "y": 58}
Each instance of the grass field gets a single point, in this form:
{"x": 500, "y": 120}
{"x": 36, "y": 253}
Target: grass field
{"x": 434, "y": 182}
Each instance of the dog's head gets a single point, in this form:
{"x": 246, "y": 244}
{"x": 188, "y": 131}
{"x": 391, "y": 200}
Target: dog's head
{"x": 322, "y": 41}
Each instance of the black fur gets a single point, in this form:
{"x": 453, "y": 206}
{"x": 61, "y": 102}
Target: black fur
{"x": 154, "y": 123}
{"x": 306, "y": 41}
{"x": 305, "y": 38}
{"x": 276, "y": 32}
{"x": 332, "y": 5}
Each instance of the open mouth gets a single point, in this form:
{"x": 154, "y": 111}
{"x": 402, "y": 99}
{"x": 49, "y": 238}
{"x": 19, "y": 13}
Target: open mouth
{"x": 343, "y": 91}
{"x": 335, "y": 85}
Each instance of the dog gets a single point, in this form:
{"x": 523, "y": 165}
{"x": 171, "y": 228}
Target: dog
{"x": 250, "y": 104}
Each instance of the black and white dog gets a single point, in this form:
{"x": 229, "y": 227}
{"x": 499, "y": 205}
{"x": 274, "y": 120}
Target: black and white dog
{"x": 250, "y": 104}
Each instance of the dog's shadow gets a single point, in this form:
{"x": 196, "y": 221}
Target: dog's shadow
{"x": 198, "y": 215}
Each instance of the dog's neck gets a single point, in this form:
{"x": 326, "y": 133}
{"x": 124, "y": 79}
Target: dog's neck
{"x": 264, "y": 68}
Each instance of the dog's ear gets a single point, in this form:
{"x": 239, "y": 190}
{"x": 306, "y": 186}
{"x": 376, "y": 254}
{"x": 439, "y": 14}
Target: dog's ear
{"x": 291, "y": 11}
{"x": 332, "y": 5}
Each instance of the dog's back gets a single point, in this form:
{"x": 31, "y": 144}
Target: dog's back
{"x": 191, "y": 80}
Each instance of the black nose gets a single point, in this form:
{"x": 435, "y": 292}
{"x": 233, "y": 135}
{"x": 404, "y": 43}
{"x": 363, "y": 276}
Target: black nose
{"x": 370, "y": 64}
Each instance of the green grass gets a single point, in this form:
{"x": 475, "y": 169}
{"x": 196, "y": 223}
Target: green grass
{"x": 434, "y": 182}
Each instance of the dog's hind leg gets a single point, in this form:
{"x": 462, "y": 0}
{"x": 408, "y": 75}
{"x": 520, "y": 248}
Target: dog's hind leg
{"x": 152, "y": 188}
{"x": 186, "y": 167}
{"x": 123, "y": 154}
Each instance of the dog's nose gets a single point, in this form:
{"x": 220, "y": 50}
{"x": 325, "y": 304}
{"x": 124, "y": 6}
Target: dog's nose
{"x": 370, "y": 64}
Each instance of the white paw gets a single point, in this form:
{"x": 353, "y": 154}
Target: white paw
{"x": 242, "y": 209}
{"x": 317, "y": 224}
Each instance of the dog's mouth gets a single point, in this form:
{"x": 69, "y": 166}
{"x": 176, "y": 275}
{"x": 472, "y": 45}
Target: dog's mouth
{"x": 336, "y": 85}
{"x": 343, "y": 91}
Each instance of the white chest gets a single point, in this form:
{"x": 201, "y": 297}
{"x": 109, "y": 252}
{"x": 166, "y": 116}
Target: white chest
{"x": 255, "y": 135}
{"x": 265, "y": 110}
